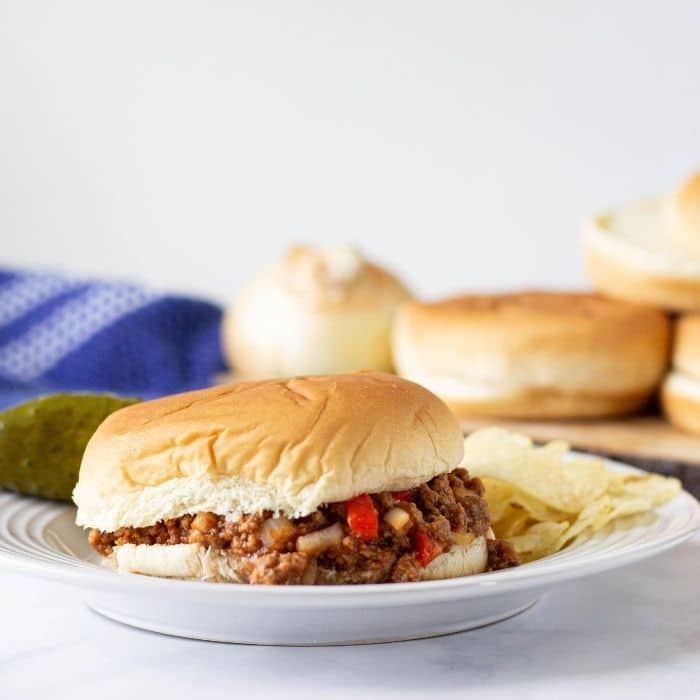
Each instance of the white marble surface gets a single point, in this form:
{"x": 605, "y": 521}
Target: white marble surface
{"x": 630, "y": 633}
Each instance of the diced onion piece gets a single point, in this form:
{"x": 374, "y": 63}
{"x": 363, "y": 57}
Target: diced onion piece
{"x": 463, "y": 538}
{"x": 490, "y": 535}
{"x": 317, "y": 541}
{"x": 276, "y": 531}
{"x": 397, "y": 517}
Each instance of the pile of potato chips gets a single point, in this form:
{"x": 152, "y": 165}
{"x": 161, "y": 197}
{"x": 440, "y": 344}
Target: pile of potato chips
{"x": 541, "y": 499}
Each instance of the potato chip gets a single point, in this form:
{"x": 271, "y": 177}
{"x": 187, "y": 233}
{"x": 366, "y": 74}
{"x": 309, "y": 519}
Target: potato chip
{"x": 593, "y": 517}
{"x": 500, "y": 495}
{"x": 567, "y": 484}
{"x": 657, "y": 489}
{"x": 542, "y": 498}
{"x": 514, "y": 523}
{"x": 539, "y": 540}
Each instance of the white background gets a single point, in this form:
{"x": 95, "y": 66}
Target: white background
{"x": 186, "y": 143}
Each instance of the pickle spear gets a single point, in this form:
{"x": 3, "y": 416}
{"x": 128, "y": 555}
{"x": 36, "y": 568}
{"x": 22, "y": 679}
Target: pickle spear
{"x": 42, "y": 441}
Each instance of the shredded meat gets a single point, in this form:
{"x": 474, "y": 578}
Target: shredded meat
{"x": 447, "y": 504}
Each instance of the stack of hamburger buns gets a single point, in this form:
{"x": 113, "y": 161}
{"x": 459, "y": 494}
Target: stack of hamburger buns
{"x": 520, "y": 355}
{"x": 650, "y": 253}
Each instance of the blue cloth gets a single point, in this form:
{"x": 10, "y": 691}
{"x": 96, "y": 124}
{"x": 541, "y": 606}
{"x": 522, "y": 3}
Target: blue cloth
{"x": 58, "y": 334}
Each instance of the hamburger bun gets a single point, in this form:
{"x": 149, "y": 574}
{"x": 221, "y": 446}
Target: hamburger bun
{"x": 649, "y": 253}
{"x": 197, "y": 562}
{"x": 313, "y": 312}
{"x": 286, "y": 446}
{"x": 533, "y": 354}
{"x": 680, "y": 393}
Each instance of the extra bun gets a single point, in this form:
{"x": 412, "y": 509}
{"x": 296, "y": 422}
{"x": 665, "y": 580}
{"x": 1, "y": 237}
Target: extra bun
{"x": 313, "y": 312}
{"x": 533, "y": 354}
{"x": 680, "y": 400}
{"x": 650, "y": 252}
{"x": 286, "y": 446}
{"x": 195, "y": 561}
{"x": 683, "y": 216}
{"x": 686, "y": 345}
{"x": 680, "y": 394}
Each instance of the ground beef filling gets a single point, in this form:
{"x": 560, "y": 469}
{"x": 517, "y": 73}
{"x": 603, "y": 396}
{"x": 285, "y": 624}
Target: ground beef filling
{"x": 444, "y": 508}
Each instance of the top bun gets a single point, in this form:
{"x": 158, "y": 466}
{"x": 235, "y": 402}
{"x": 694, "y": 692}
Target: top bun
{"x": 286, "y": 446}
{"x": 649, "y": 252}
{"x": 313, "y": 312}
{"x": 533, "y": 354}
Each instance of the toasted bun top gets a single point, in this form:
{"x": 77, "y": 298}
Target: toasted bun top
{"x": 538, "y": 321}
{"x": 576, "y": 310}
{"x": 285, "y": 445}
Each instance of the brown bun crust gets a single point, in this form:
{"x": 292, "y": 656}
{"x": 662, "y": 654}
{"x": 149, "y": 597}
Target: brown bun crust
{"x": 534, "y": 354}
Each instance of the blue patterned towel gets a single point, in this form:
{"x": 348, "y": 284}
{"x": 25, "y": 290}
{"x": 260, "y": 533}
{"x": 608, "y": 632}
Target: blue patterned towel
{"x": 58, "y": 334}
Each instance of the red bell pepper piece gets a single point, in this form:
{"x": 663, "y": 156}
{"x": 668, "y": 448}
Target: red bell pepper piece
{"x": 426, "y": 547}
{"x": 362, "y": 517}
{"x": 404, "y": 496}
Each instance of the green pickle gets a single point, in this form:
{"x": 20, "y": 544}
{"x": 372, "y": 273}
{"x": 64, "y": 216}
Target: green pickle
{"x": 42, "y": 441}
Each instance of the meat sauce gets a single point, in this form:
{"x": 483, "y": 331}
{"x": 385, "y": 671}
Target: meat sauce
{"x": 446, "y": 506}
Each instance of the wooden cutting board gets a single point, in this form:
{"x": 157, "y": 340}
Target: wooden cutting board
{"x": 645, "y": 441}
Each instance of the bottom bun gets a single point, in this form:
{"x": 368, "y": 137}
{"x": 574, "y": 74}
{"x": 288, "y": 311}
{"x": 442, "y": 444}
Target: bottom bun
{"x": 621, "y": 276}
{"x": 197, "y": 562}
{"x": 459, "y": 560}
{"x": 507, "y": 402}
{"x": 680, "y": 400}
{"x": 185, "y": 561}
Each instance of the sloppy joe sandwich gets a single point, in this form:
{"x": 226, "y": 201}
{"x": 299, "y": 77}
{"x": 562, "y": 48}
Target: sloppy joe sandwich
{"x": 342, "y": 479}
{"x": 533, "y": 354}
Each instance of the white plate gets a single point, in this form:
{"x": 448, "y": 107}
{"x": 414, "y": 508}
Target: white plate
{"x": 39, "y": 537}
